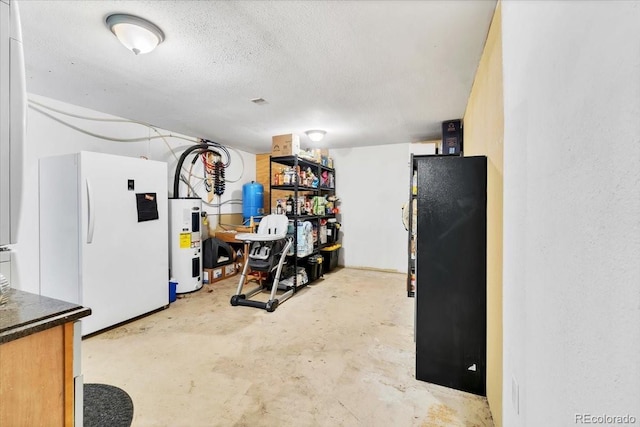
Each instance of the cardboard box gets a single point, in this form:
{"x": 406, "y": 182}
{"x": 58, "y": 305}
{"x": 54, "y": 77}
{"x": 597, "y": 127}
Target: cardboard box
{"x": 230, "y": 270}
{"x": 317, "y": 155}
{"x": 285, "y": 145}
{"x": 452, "y": 137}
{"x": 213, "y": 275}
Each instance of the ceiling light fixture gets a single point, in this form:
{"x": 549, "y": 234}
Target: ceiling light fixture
{"x": 316, "y": 135}
{"x": 137, "y": 34}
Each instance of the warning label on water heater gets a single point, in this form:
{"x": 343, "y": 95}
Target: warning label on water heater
{"x": 185, "y": 240}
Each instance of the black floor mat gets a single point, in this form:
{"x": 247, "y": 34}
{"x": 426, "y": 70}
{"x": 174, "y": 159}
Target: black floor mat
{"x": 106, "y": 405}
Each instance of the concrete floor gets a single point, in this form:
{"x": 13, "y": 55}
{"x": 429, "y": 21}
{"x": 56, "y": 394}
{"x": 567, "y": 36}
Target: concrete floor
{"x": 338, "y": 353}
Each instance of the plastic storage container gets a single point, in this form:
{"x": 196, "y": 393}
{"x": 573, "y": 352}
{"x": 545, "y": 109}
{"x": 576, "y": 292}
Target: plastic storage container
{"x": 333, "y": 231}
{"x": 173, "y": 287}
{"x": 330, "y": 255}
{"x": 314, "y": 267}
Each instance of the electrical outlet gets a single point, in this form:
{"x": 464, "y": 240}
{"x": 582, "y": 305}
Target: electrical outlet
{"x": 515, "y": 395}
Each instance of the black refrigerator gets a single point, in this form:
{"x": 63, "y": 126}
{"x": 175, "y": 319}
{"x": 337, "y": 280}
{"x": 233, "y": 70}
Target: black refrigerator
{"x": 451, "y": 264}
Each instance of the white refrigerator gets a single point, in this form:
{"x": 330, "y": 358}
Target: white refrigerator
{"x": 103, "y": 235}
{"x": 13, "y": 113}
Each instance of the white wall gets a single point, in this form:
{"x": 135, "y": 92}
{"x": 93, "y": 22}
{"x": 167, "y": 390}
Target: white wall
{"x": 46, "y": 137}
{"x": 373, "y": 184}
{"x": 571, "y": 210}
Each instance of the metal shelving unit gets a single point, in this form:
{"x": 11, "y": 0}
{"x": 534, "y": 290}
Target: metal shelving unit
{"x": 296, "y": 190}
{"x": 411, "y": 245}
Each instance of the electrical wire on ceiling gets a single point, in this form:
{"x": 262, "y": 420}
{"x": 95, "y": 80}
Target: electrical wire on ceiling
{"x": 213, "y": 177}
{"x": 213, "y": 171}
{"x": 205, "y": 147}
{"x": 33, "y": 104}
{"x": 213, "y": 167}
{"x": 216, "y": 167}
{"x": 193, "y": 190}
{"x": 241, "y": 168}
{"x": 220, "y": 147}
{"x": 210, "y": 163}
{"x": 227, "y": 163}
{"x": 219, "y": 182}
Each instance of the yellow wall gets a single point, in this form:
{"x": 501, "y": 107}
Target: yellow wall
{"x": 483, "y": 135}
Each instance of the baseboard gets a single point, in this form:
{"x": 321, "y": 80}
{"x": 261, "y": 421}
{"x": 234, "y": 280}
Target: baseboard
{"x": 384, "y": 270}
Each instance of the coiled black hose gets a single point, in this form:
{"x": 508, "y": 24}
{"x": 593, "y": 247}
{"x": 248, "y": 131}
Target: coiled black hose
{"x": 183, "y": 156}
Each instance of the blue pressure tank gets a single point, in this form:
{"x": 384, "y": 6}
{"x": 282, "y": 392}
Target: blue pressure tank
{"x": 252, "y": 200}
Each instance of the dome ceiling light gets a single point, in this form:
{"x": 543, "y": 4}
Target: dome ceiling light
{"x": 137, "y": 34}
{"x": 316, "y": 135}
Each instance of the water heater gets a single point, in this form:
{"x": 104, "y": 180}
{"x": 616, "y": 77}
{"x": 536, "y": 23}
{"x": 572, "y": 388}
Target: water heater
{"x": 185, "y": 246}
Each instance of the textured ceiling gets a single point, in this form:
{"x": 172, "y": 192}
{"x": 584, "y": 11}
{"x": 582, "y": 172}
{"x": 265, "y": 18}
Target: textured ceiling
{"x": 368, "y": 72}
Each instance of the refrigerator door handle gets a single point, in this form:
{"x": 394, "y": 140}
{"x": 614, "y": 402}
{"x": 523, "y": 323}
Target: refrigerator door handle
{"x": 91, "y": 214}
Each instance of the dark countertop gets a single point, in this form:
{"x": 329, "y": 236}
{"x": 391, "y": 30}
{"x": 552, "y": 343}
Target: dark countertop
{"x": 26, "y": 313}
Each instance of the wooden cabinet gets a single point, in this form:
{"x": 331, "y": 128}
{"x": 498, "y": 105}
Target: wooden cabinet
{"x": 38, "y": 373}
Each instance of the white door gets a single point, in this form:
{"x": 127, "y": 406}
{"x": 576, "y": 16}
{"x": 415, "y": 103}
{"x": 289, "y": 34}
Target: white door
{"x": 124, "y": 261}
